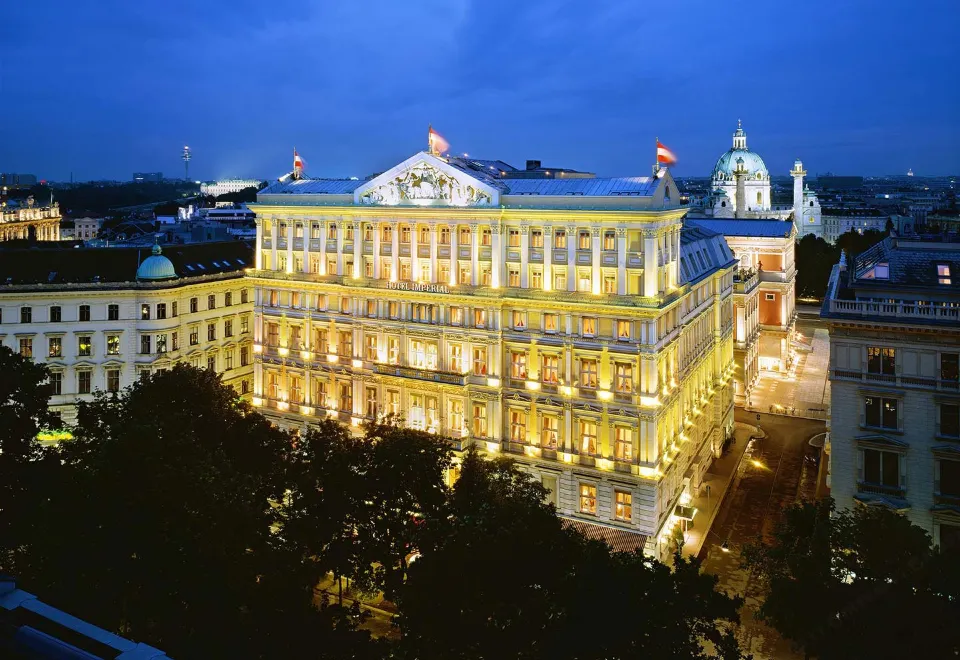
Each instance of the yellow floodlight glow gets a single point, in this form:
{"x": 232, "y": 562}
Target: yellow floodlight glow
{"x": 306, "y": 410}
{"x": 604, "y": 395}
{"x": 533, "y": 385}
{"x": 306, "y": 355}
{"x": 283, "y": 350}
{"x": 332, "y": 358}
{"x": 649, "y": 401}
{"x": 283, "y": 405}
{"x": 493, "y": 447}
{"x": 357, "y": 363}
{"x": 493, "y": 382}
{"x": 257, "y": 348}
{"x": 257, "y": 401}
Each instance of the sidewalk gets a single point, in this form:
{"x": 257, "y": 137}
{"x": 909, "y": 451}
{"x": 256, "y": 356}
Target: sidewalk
{"x": 719, "y": 477}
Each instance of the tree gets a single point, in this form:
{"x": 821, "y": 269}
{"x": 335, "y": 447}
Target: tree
{"x": 815, "y": 259}
{"x": 500, "y": 577}
{"x": 160, "y": 527}
{"x": 857, "y": 584}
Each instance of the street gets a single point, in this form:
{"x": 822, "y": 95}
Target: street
{"x": 772, "y": 475}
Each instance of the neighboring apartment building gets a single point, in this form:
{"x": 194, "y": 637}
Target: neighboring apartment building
{"x": 572, "y": 324}
{"x": 100, "y": 318}
{"x": 894, "y": 319}
{"x": 40, "y": 223}
{"x": 765, "y": 293}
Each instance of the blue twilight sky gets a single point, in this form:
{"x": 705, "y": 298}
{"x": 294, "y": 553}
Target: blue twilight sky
{"x": 102, "y": 88}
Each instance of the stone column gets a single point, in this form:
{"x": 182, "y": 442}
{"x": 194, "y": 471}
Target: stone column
{"x": 433, "y": 252}
{"x": 357, "y": 249}
{"x": 572, "y": 257}
{"x": 395, "y": 252}
{"x": 376, "y": 250}
{"x": 496, "y": 258}
{"x": 274, "y": 233}
{"x": 454, "y": 256}
{"x": 290, "y": 246}
{"x": 524, "y": 254}
{"x": 621, "y": 261}
{"x": 414, "y": 255}
{"x": 650, "y": 268}
{"x": 258, "y": 257}
{"x": 596, "y": 283}
{"x": 323, "y": 248}
{"x": 341, "y": 233}
{"x": 548, "y": 258}
{"x": 307, "y": 224}
{"x": 475, "y": 255}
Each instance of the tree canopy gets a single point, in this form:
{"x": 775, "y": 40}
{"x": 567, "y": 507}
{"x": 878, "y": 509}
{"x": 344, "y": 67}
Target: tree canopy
{"x": 861, "y": 583}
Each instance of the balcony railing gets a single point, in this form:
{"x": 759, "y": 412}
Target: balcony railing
{"x": 745, "y": 281}
{"x": 932, "y": 311}
{"x": 880, "y": 489}
{"x": 445, "y": 377}
{"x": 896, "y": 380}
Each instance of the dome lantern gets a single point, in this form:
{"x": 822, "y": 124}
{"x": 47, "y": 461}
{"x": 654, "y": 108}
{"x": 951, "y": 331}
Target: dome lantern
{"x": 156, "y": 266}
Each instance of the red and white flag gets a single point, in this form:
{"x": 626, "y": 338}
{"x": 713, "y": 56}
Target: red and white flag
{"x": 664, "y": 155}
{"x": 297, "y": 161}
{"x": 438, "y": 145}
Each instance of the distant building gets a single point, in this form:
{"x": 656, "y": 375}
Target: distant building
{"x": 12, "y": 180}
{"x": 838, "y": 221}
{"x": 217, "y": 188}
{"x": 87, "y": 228}
{"x": 894, "y": 317}
{"x": 147, "y": 177}
{"x": 99, "y": 318}
{"x": 34, "y": 629}
{"x": 39, "y": 223}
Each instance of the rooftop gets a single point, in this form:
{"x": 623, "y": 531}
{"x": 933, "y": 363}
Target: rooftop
{"x": 72, "y": 266}
{"x": 744, "y": 227}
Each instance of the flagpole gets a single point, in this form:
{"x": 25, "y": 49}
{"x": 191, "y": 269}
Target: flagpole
{"x": 656, "y": 155}
{"x": 430, "y": 139}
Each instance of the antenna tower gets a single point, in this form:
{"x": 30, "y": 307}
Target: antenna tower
{"x": 186, "y": 156}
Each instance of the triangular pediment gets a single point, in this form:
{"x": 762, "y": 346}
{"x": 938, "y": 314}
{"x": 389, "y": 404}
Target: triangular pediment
{"x": 426, "y": 180}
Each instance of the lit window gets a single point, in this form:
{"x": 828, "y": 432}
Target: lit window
{"x": 550, "y": 435}
{"x": 560, "y": 238}
{"x": 609, "y": 240}
{"x": 624, "y": 378}
{"x": 55, "y": 347}
{"x": 588, "y": 499}
{"x": 623, "y": 447}
{"x": 589, "y": 327}
{"x": 588, "y": 437}
{"x": 559, "y": 279}
{"x": 623, "y": 330}
{"x": 583, "y": 240}
{"x": 588, "y": 373}
{"x": 480, "y": 361}
{"x": 518, "y": 426}
{"x": 480, "y": 420}
{"x": 550, "y": 322}
{"x": 609, "y": 283}
{"x": 550, "y": 369}
{"x": 444, "y": 236}
{"x": 456, "y": 415}
{"x": 513, "y": 238}
{"x": 513, "y": 277}
{"x": 584, "y": 284}
{"x": 536, "y": 279}
{"x": 943, "y": 274}
{"x": 519, "y": 320}
{"x": 456, "y": 358}
{"x": 84, "y": 346}
{"x": 624, "y": 506}
{"x": 536, "y": 238}
{"x": 371, "y": 343}
{"x": 518, "y": 365}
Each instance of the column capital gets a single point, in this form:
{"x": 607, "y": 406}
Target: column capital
{"x": 621, "y": 232}
{"x": 495, "y": 229}
{"x": 595, "y": 231}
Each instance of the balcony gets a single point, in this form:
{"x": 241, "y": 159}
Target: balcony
{"x": 922, "y": 311}
{"x": 445, "y": 377}
{"x": 880, "y": 489}
{"x": 897, "y": 381}
{"x": 745, "y": 280}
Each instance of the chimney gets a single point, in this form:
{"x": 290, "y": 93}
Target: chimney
{"x": 533, "y": 165}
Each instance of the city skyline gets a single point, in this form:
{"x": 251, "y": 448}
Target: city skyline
{"x": 126, "y": 87}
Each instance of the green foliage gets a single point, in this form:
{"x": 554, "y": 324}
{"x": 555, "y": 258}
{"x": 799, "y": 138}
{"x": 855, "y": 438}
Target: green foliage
{"x": 857, "y": 584}
{"x": 500, "y": 577}
{"x": 815, "y": 258}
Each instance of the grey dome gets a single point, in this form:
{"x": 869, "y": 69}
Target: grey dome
{"x": 752, "y": 163}
{"x": 156, "y": 267}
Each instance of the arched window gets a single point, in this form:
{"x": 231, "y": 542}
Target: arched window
{"x": 759, "y": 197}
{"x": 811, "y": 204}
{"x": 724, "y": 204}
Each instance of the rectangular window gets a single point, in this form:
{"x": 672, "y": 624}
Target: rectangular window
{"x": 295, "y": 299}
{"x": 881, "y": 361}
{"x": 950, "y": 420}
{"x": 55, "y": 347}
{"x": 228, "y": 361}
{"x": 519, "y": 320}
{"x": 212, "y": 363}
{"x": 950, "y": 368}
{"x": 56, "y": 382}
{"x": 513, "y": 277}
{"x": 393, "y": 350}
{"x": 55, "y": 314}
{"x": 173, "y": 309}
{"x": 367, "y": 231}
{"x": 479, "y": 318}
{"x": 518, "y": 365}
{"x": 550, "y": 434}
{"x": 588, "y": 499}
{"x": 456, "y": 358}
{"x": 227, "y": 299}
{"x": 588, "y": 437}
{"x": 623, "y": 330}
{"x": 480, "y": 420}
{"x": 423, "y": 355}
{"x": 583, "y": 240}
{"x": 881, "y": 468}
{"x": 609, "y": 240}
{"x": 161, "y": 310}
{"x": 113, "y": 380}
{"x": 26, "y": 346}
{"x": 320, "y": 393}
{"x": 624, "y": 378}
{"x": 536, "y": 238}
{"x": 404, "y": 234}
{"x": 212, "y": 301}
{"x": 345, "y": 305}
{"x": 456, "y": 415}
{"x": 194, "y": 335}
{"x": 536, "y": 278}
{"x": 623, "y": 509}
{"x": 466, "y": 275}
{"x": 588, "y": 373}
{"x": 145, "y": 344}
{"x": 623, "y": 444}
{"x": 332, "y": 231}
{"x": 84, "y": 346}
{"x": 228, "y": 329}
{"x": 518, "y": 425}
{"x": 464, "y": 233}
{"x": 943, "y": 274}
{"x": 423, "y": 235}
{"x": 161, "y": 343}
{"x": 386, "y": 233}
{"x": 370, "y": 402}
{"x": 193, "y": 305}
{"x": 243, "y": 296}
{"x": 113, "y": 312}
{"x": 84, "y": 379}
{"x": 480, "y": 361}
{"x": 513, "y": 238}
{"x": 244, "y": 356}
{"x": 417, "y": 414}
{"x": 881, "y": 412}
{"x": 394, "y": 310}
{"x": 584, "y": 282}
{"x": 345, "y": 343}
{"x": 175, "y": 341}
{"x": 560, "y": 238}
{"x": 371, "y": 352}
{"x": 456, "y": 316}
{"x": 609, "y": 283}
{"x": 589, "y": 326}
{"x": 559, "y": 279}
{"x": 26, "y": 315}
{"x": 550, "y": 369}
{"x": 144, "y": 312}
{"x": 244, "y": 324}
{"x": 211, "y": 331}
{"x": 393, "y": 402}
{"x": 486, "y": 237}
{"x": 550, "y": 323}
{"x": 949, "y": 482}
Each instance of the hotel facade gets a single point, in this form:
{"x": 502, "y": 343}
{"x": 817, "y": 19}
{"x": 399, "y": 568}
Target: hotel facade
{"x": 574, "y": 324}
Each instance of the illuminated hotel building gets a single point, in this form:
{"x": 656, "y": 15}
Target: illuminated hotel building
{"x": 571, "y": 323}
